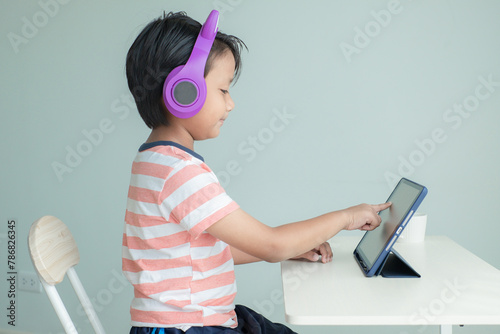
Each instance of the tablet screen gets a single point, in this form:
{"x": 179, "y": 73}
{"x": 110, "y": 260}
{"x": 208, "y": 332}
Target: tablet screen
{"x": 373, "y": 242}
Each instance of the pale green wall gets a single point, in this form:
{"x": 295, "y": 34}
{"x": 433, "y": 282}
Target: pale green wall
{"x": 353, "y": 120}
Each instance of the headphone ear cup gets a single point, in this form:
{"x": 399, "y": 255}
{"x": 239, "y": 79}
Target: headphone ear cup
{"x": 184, "y": 93}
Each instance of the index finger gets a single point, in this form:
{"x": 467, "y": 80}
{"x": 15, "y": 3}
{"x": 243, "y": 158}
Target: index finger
{"x": 380, "y": 207}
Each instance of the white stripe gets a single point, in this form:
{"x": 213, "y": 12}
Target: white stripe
{"x": 155, "y": 254}
{"x": 157, "y": 158}
{"x": 223, "y": 268}
{"x": 157, "y": 275}
{"x": 177, "y": 295}
{"x": 187, "y": 189}
{"x": 143, "y": 208}
{"x": 199, "y": 253}
{"x": 205, "y": 210}
{"x": 166, "y": 160}
{"x": 229, "y": 322}
{"x": 219, "y": 292}
{"x": 156, "y": 231}
{"x": 146, "y": 304}
{"x": 207, "y": 311}
{"x": 147, "y": 182}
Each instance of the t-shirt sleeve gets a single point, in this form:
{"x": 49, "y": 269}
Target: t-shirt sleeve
{"x": 193, "y": 198}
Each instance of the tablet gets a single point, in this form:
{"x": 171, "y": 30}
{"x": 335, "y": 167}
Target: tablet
{"x": 375, "y": 246}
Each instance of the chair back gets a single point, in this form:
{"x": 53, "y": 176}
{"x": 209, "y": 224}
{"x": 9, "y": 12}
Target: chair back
{"x": 53, "y": 249}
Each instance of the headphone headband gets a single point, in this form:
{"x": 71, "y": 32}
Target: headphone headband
{"x": 185, "y": 90}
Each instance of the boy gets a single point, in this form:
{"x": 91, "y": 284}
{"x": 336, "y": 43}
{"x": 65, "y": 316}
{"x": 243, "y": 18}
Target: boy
{"x": 183, "y": 233}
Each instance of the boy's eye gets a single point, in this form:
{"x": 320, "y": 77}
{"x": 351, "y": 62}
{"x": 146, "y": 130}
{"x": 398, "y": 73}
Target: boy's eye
{"x": 224, "y": 91}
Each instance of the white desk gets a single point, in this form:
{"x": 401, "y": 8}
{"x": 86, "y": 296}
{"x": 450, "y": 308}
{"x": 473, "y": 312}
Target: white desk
{"x": 456, "y": 288}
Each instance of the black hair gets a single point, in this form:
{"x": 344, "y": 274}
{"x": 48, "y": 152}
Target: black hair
{"x": 162, "y": 45}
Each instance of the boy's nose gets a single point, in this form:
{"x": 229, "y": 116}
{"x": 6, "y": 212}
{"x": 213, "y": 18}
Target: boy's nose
{"x": 229, "y": 103}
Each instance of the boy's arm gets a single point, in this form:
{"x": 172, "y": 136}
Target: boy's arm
{"x": 274, "y": 244}
{"x": 240, "y": 257}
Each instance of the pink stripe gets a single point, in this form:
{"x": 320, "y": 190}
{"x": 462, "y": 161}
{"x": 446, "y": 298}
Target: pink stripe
{"x": 135, "y": 219}
{"x": 197, "y": 199}
{"x": 215, "y": 217}
{"x": 154, "y": 265}
{"x": 143, "y": 195}
{"x": 179, "y": 178}
{"x": 213, "y": 282}
{"x": 167, "y": 318}
{"x": 177, "y": 303}
{"x": 158, "y": 243}
{"x": 212, "y": 262}
{"x": 222, "y": 301}
{"x": 220, "y": 318}
{"x": 148, "y": 289}
{"x": 204, "y": 240}
{"x": 151, "y": 169}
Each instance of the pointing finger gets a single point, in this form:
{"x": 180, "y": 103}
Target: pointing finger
{"x": 381, "y": 207}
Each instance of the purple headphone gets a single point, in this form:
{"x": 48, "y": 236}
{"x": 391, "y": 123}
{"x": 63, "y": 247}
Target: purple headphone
{"x": 185, "y": 90}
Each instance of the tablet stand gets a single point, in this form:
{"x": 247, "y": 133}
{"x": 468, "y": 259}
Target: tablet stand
{"x": 395, "y": 266}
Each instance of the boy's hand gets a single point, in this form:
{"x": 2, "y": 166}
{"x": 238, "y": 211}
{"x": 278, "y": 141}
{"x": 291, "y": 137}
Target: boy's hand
{"x": 364, "y": 216}
{"x": 313, "y": 255}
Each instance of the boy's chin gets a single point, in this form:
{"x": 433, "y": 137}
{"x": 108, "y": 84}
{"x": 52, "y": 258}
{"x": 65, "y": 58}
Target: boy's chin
{"x": 215, "y": 133}
{"x": 212, "y": 135}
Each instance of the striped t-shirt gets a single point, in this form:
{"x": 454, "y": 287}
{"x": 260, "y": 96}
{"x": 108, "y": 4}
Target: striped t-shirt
{"x": 182, "y": 275}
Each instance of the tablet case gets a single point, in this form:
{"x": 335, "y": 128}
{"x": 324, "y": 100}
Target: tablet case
{"x": 393, "y": 264}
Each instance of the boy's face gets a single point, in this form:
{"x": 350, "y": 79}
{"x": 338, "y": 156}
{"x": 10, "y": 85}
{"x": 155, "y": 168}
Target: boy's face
{"x": 206, "y": 124}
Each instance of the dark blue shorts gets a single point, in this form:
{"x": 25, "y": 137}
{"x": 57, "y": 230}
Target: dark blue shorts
{"x": 249, "y": 322}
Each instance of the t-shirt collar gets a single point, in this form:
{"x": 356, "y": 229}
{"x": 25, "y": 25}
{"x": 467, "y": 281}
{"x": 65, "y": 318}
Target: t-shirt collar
{"x": 147, "y": 146}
